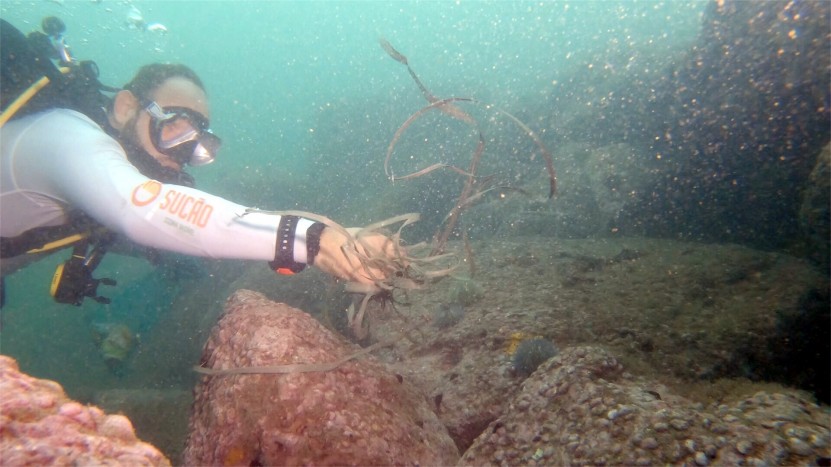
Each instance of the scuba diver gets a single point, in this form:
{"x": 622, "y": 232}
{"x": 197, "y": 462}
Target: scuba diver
{"x": 80, "y": 179}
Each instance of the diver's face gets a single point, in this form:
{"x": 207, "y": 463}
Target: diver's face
{"x": 175, "y": 92}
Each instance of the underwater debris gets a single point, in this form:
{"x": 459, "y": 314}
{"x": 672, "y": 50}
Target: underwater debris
{"x": 473, "y": 188}
{"x": 445, "y": 107}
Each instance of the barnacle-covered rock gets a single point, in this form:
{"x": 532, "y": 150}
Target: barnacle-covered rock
{"x": 40, "y": 425}
{"x": 581, "y": 408}
{"x": 355, "y": 414}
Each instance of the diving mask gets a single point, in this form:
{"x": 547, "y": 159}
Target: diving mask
{"x": 182, "y": 134}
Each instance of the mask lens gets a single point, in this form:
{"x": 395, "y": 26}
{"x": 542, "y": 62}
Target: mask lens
{"x": 205, "y": 150}
{"x": 176, "y": 131}
{"x": 184, "y": 136}
{"x": 181, "y": 153}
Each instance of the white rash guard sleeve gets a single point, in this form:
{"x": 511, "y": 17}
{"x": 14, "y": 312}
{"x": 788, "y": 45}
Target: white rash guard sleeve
{"x": 59, "y": 160}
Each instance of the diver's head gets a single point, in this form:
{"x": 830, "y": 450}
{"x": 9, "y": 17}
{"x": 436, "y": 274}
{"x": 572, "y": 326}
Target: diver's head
{"x": 164, "y": 111}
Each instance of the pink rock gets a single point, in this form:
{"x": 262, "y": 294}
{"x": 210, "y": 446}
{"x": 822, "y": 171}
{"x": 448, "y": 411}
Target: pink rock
{"x": 118, "y": 426}
{"x": 40, "y": 425}
{"x": 356, "y": 414}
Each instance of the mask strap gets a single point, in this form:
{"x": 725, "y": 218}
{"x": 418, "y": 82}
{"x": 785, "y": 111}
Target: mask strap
{"x": 156, "y": 111}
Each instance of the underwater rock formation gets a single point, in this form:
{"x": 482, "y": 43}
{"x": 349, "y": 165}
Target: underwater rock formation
{"x": 40, "y": 425}
{"x": 740, "y": 123}
{"x": 160, "y": 416}
{"x": 356, "y": 414}
{"x": 815, "y": 212}
{"x": 582, "y": 408}
{"x": 725, "y": 135}
{"x": 681, "y": 313}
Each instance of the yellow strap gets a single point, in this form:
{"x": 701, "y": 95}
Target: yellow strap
{"x": 24, "y": 97}
{"x": 59, "y": 243}
{"x": 56, "y": 279}
{"x": 21, "y": 100}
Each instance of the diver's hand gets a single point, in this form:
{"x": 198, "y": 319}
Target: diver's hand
{"x": 343, "y": 263}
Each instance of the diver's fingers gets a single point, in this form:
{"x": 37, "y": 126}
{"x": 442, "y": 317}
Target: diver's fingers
{"x": 375, "y": 256}
{"x": 337, "y": 259}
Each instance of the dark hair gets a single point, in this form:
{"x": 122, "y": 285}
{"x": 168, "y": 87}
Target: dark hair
{"x": 150, "y": 77}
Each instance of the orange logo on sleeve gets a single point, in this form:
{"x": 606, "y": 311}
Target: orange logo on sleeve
{"x": 191, "y": 210}
{"x": 146, "y": 193}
